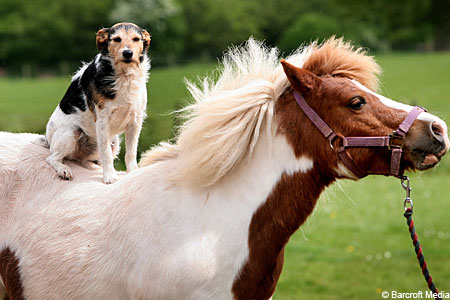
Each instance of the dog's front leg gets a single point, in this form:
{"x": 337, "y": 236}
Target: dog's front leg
{"x": 131, "y": 143}
{"x": 104, "y": 146}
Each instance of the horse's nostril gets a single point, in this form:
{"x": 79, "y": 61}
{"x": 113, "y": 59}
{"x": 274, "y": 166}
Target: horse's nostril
{"x": 437, "y": 129}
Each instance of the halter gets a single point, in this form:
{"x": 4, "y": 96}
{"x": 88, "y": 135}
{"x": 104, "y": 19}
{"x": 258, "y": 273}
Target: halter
{"x": 394, "y": 141}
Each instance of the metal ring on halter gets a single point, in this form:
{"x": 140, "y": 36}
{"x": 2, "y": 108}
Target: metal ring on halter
{"x": 334, "y": 138}
{"x": 331, "y": 140}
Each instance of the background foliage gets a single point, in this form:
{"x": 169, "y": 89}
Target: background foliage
{"x": 46, "y": 34}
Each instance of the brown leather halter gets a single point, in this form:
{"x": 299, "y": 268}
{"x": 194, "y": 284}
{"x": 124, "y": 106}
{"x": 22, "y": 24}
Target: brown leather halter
{"x": 394, "y": 141}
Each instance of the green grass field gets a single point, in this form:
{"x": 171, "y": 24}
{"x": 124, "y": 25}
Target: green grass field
{"x": 356, "y": 243}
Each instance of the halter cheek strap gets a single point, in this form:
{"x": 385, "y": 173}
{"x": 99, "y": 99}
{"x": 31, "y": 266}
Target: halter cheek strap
{"x": 394, "y": 141}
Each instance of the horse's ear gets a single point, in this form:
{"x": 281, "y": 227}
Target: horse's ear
{"x": 300, "y": 79}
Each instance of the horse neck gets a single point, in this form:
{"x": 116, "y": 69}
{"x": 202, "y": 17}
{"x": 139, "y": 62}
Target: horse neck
{"x": 292, "y": 186}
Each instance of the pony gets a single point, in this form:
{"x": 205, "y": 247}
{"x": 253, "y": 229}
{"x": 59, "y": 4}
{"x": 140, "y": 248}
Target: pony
{"x": 207, "y": 216}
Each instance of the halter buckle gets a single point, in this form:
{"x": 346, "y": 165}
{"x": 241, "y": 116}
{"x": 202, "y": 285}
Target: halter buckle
{"x": 396, "y": 140}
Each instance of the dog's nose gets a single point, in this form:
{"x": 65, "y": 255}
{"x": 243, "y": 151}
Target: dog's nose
{"x": 127, "y": 54}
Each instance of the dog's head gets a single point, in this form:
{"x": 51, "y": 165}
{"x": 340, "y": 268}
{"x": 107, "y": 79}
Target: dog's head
{"x": 124, "y": 43}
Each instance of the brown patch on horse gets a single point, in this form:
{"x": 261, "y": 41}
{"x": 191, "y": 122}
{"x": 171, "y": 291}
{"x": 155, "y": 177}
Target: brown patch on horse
{"x": 290, "y": 203}
{"x": 288, "y": 206}
{"x": 338, "y": 58}
{"x": 10, "y": 274}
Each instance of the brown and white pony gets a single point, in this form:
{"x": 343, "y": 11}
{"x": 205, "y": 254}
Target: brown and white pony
{"x": 207, "y": 217}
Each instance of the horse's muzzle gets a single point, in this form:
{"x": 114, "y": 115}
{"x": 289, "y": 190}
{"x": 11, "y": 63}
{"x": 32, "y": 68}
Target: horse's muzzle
{"x": 426, "y": 143}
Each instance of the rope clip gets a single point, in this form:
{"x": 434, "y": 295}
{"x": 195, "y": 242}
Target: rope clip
{"x": 408, "y": 203}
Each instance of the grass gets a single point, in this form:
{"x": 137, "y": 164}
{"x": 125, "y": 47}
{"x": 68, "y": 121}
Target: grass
{"x": 356, "y": 243}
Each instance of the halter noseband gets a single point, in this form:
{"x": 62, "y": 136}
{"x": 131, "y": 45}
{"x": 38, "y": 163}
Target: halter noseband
{"x": 394, "y": 141}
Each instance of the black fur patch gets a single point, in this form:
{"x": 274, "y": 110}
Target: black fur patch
{"x": 100, "y": 80}
{"x": 105, "y": 79}
{"x": 73, "y": 99}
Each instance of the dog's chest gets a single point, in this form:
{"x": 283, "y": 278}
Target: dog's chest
{"x": 128, "y": 105}
{"x": 122, "y": 113}
{"x": 121, "y": 116}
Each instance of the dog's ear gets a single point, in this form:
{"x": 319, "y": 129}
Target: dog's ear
{"x": 102, "y": 38}
{"x": 146, "y": 38}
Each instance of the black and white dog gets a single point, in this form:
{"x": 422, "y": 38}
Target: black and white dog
{"x": 106, "y": 97}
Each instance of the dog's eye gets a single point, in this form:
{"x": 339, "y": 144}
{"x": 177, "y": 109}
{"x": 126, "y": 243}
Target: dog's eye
{"x": 117, "y": 39}
{"x": 356, "y": 103}
{"x": 136, "y": 39}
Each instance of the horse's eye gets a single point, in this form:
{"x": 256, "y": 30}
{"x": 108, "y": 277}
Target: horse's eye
{"x": 117, "y": 39}
{"x": 356, "y": 103}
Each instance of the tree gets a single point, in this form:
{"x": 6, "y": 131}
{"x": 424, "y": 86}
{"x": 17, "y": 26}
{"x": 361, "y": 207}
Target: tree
{"x": 214, "y": 25}
{"x": 47, "y": 31}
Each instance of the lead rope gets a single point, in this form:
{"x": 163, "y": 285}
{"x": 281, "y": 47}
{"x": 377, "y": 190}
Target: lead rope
{"x": 408, "y": 204}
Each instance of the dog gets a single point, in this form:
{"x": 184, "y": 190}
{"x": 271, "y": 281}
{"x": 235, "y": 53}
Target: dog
{"x": 107, "y": 96}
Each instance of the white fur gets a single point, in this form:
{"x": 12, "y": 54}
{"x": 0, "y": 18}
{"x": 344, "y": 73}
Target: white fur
{"x": 140, "y": 238}
{"x": 125, "y": 113}
{"x": 344, "y": 172}
{"x": 401, "y": 106}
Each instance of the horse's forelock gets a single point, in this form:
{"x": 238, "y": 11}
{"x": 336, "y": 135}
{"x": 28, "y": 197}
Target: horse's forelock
{"x": 339, "y": 58}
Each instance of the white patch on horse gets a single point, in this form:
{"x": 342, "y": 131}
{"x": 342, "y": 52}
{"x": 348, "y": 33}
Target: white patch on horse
{"x": 302, "y": 164}
{"x": 401, "y": 106}
{"x": 343, "y": 171}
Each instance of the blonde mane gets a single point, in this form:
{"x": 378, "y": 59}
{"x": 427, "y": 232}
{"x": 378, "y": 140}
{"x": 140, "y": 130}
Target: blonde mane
{"x": 227, "y": 116}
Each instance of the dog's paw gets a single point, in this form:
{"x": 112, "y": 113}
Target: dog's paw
{"x": 132, "y": 166}
{"x": 111, "y": 178}
{"x": 65, "y": 173}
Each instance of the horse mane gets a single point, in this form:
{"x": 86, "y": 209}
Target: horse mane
{"x": 225, "y": 120}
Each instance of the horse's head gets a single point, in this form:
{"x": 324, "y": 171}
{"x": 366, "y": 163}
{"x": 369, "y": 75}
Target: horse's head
{"x": 353, "y": 110}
